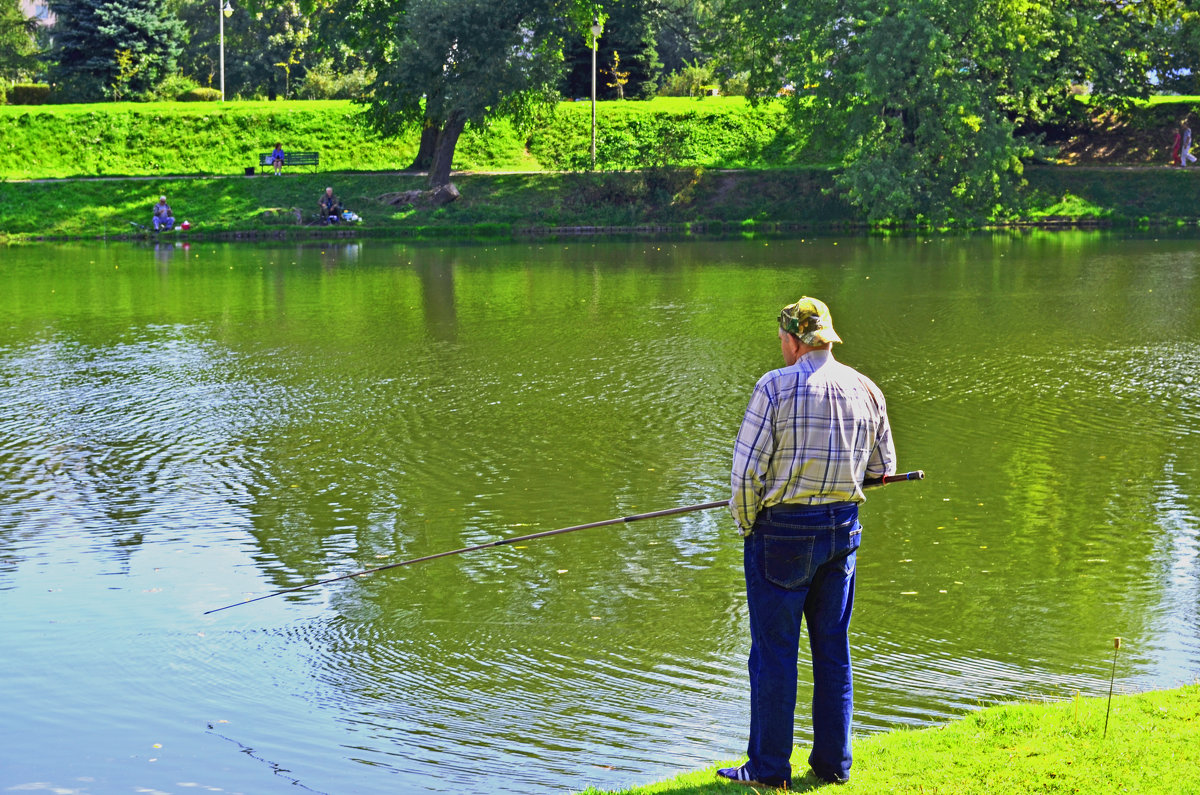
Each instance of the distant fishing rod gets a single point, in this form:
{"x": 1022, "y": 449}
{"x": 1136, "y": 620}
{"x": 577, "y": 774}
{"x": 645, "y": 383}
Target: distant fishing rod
{"x": 869, "y": 483}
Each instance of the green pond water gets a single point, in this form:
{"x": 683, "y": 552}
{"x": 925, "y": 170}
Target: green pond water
{"x": 182, "y": 428}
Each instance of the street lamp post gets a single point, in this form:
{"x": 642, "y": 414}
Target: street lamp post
{"x": 226, "y": 11}
{"x": 595, "y": 38}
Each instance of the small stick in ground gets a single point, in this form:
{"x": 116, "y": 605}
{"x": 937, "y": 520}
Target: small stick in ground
{"x": 1111, "y": 679}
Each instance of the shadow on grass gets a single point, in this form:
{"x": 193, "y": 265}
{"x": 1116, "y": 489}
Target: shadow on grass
{"x": 715, "y": 786}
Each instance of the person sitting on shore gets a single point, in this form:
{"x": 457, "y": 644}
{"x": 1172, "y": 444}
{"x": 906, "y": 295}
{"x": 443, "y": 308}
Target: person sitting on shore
{"x": 277, "y": 158}
{"x": 162, "y": 215}
{"x": 331, "y": 207}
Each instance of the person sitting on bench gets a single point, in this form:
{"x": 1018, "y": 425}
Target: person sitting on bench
{"x": 277, "y": 158}
{"x": 331, "y": 207}
{"x": 162, "y": 215}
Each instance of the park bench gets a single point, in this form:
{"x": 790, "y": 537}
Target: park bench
{"x": 291, "y": 159}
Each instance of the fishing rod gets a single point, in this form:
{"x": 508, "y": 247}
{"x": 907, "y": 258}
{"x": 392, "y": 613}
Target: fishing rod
{"x": 869, "y": 483}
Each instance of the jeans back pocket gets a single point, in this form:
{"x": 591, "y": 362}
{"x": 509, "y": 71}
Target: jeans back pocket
{"x": 788, "y": 560}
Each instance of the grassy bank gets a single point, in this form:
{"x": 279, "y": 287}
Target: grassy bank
{"x": 671, "y": 200}
{"x": 1152, "y": 746}
{"x": 716, "y": 164}
{"x": 190, "y": 138}
{"x": 492, "y": 204}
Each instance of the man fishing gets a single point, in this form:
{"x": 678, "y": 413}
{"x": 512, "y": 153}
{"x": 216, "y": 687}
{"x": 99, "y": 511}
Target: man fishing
{"x": 163, "y": 219}
{"x": 812, "y": 432}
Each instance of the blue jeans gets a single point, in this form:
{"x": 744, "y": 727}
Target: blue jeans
{"x": 799, "y": 564}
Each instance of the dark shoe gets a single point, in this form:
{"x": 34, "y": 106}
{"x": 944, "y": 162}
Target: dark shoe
{"x": 740, "y": 775}
{"x": 834, "y": 779}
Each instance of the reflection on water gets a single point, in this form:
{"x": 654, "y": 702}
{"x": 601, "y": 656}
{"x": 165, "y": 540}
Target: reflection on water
{"x": 185, "y": 426}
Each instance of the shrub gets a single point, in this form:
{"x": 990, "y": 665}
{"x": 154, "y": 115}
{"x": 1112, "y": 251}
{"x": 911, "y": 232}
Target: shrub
{"x": 28, "y": 94}
{"x": 321, "y": 82}
{"x": 174, "y": 86}
{"x": 200, "y": 95}
{"x": 693, "y": 80}
{"x": 719, "y": 133}
{"x": 735, "y": 85}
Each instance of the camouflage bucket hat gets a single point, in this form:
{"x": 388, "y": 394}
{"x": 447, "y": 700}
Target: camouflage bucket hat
{"x": 809, "y": 320}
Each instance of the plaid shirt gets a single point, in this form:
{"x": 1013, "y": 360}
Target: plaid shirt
{"x": 811, "y": 434}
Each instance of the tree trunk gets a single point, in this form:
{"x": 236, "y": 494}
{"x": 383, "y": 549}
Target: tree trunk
{"x": 443, "y": 152}
{"x": 424, "y": 158}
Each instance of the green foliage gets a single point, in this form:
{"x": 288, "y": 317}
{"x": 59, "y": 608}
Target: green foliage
{"x": 442, "y": 64}
{"x": 323, "y": 81}
{"x": 186, "y": 138}
{"x": 628, "y": 34}
{"x": 1070, "y": 206}
{"x": 18, "y": 46}
{"x": 1178, "y": 35}
{"x": 1152, "y": 748}
{"x": 28, "y": 94}
{"x": 678, "y": 27}
{"x": 690, "y": 80}
{"x": 200, "y": 95}
{"x": 257, "y": 40}
{"x": 520, "y": 201}
{"x": 115, "y": 50}
{"x": 174, "y": 86}
{"x": 713, "y": 132}
{"x": 921, "y": 101}
{"x": 664, "y": 142}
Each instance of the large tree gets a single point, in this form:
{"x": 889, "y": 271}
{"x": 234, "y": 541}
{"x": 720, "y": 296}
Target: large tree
{"x": 679, "y": 32}
{"x": 111, "y": 49}
{"x": 628, "y": 34}
{"x": 18, "y": 48}
{"x": 919, "y": 101}
{"x": 268, "y": 48}
{"x": 1175, "y": 62}
{"x": 443, "y": 64}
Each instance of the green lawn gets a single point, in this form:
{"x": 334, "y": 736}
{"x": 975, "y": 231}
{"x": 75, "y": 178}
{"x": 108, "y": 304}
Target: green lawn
{"x": 1152, "y": 747}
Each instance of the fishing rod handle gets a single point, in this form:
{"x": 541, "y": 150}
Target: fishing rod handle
{"x": 916, "y": 474}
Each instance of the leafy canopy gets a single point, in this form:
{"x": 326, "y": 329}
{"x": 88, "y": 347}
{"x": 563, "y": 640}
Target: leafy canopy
{"x": 921, "y": 101}
{"x": 117, "y": 49}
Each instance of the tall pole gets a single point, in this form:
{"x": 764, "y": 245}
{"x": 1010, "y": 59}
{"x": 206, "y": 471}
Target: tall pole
{"x": 221, "y": 20}
{"x": 595, "y": 33}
